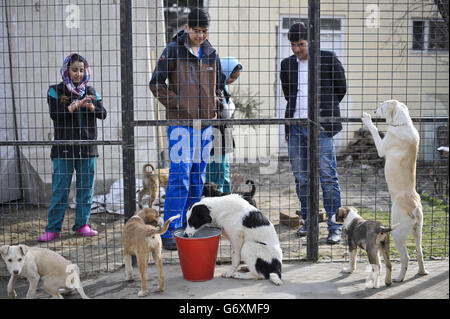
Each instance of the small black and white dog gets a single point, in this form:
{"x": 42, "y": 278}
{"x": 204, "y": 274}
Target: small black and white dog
{"x": 370, "y": 236}
{"x": 211, "y": 190}
{"x": 253, "y": 237}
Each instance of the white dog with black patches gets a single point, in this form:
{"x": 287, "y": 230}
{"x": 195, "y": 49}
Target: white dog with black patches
{"x": 253, "y": 237}
{"x": 399, "y": 147}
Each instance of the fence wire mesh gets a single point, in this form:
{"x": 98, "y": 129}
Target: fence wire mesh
{"x": 388, "y": 50}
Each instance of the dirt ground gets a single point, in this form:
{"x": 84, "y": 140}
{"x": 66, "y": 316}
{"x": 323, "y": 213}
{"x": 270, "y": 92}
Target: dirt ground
{"x": 361, "y": 186}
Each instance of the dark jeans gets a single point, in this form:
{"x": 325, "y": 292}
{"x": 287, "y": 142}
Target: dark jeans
{"x": 298, "y": 156}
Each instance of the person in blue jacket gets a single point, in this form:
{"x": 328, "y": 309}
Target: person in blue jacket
{"x": 218, "y": 169}
{"x": 191, "y": 66}
{"x": 294, "y": 80}
{"x": 74, "y": 108}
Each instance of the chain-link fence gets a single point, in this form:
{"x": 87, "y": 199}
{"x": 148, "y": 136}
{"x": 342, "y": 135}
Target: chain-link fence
{"x": 387, "y": 50}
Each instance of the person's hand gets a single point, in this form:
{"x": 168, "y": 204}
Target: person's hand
{"x": 75, "y": 105}
{"x": 86, "y": 102}
{"x": 286, "y": 133}
{"x": 90, "y": 107}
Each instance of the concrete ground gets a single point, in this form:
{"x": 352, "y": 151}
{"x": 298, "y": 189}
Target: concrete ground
{"x": 302, "y": 280}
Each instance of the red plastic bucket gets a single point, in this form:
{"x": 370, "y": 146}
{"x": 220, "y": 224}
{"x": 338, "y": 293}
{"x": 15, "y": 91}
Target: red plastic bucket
{"x": 198, "y": 253}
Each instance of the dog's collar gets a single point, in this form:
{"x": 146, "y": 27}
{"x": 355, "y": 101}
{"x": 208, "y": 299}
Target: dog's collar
{"x": 403, "y": 124}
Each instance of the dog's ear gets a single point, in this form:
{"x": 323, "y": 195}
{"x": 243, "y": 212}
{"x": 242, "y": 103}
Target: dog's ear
{"x": 400, "y": 113}
{"x": 23, "y": 249}
{"x": 389, "y": 111}
{"x": 203, "y": 212}
{"x": 200, "y": 215}
{"x": 4, "y": 250}
{"x": 403, "y": 105}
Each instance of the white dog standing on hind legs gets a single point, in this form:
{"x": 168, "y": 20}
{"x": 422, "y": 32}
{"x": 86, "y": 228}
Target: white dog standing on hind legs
{"x": 399, "y": 147}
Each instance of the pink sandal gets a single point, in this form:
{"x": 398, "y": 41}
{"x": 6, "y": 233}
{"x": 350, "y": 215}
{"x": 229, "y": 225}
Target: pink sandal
{"x": 86, "y": 231}
{"x": 48, "y": 236}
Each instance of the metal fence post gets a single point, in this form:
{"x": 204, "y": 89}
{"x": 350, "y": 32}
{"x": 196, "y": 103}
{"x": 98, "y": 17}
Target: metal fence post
{"x": 126, "y": 69}
{"x": 312, "y": 249}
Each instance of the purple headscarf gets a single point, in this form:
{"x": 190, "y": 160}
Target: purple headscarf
{"x": 81, "y": 88}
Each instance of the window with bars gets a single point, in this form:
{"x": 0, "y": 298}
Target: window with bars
{"x": 429, "y": 35}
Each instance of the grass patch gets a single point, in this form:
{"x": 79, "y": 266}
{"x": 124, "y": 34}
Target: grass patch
{"x": 435, "y": 240}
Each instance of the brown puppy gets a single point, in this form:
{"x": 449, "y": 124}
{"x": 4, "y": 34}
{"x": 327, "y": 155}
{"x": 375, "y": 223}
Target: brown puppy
{"x": 139, "y": 238}
{"x": 152, "y": 180}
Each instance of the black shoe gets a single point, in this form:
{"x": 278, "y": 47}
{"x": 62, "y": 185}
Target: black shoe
{"x": 333, "y": 238}
{"x": 169, "y": 243}
{"x": 301, "y": 232}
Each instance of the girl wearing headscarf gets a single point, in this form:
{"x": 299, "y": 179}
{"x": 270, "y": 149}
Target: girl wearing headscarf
{"x": 74, "y": 108}
{"x": 218, "y": 169}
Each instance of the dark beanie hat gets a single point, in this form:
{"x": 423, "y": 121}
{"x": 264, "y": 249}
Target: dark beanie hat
{"x": 297, "y": 32}
{"x": 198, "y": 18}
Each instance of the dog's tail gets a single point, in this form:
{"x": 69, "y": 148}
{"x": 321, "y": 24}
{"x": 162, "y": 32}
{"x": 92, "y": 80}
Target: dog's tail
{"x": 383, "y": 229}
{"x": 148, "y": 165}
{"x": 253, "y": 191}
{"x": 73, "y": 279}
{"x": 153, "y": 231}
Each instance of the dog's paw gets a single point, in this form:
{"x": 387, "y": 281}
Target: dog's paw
{"x": 376, "y": 284}
{"x": 129, "y": 277}
{"x": 159, "y": 289}
{"x": 275, "y": 279}
{"x": 423, "y": 272}
{"x": 228, "y": 274}
{"x": 142, "y": 293}
{"x": 366, "y": 119}
{"x": 347, "y": 270}
{"x": 12, "y": 294}
{"x": 398, "y": 279}
{"x": 369, "y": 284}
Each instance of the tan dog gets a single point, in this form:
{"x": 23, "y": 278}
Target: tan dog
{"x": 151, "y": 182}
{"x": 399, "y": 147}
{"x": 35, "y": 263}
{"x": 139, "y": 238}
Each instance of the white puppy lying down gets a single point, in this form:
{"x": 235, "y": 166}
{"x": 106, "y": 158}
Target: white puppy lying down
{"x": 399, "y": 148}
{"x": 251, "y": 234}
{"x": 35, "y": 263}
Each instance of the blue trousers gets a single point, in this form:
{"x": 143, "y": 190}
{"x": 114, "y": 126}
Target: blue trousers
{"x": 298, "y": 156}
{"x": 219, "y": 173}
{"x": 61, "y": 180}
{"x": 189, "y": 151}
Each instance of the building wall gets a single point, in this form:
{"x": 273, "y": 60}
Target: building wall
{"x": 377, "y": 57}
